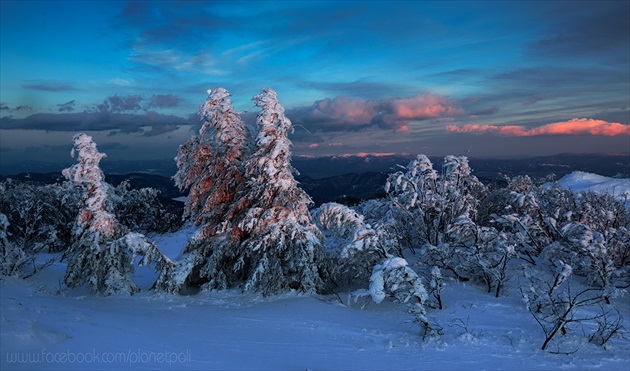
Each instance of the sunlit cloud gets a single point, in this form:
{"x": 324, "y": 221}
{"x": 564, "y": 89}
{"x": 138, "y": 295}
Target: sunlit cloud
{"x": 424, "y": 106}
{"x": 575, "y": 126}
{"x": 347, "y": 114}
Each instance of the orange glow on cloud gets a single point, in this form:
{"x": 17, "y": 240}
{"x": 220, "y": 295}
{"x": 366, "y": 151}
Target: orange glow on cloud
{"x": 424, "y": 106}
{"x": 571, "y": 127}
{"x": 366, "y": 154}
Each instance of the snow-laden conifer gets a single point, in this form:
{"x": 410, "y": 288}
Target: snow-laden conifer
{"x": 281, "y": 247}
{"x": 100, "y": 246}
{"x": 211, "y": 165}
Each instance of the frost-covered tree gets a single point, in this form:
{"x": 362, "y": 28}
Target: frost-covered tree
{"x": 211, "y": 165}
{"x": 558, "y": 305}
{"x": 354, "y": 247}
{"x": 39, "y": 219}
{"x": 431, "y": 202}
{"x": 394, "y": 278}
{"x": 100, "y": 246}
{"x": 281, "y": 248}
{"x": 255, "y": 229}
{"x": 12, "y": 257}
{"x": 438, "y": 213}
{"x": 40, "y": 216}
{"x": 142, "y": 210}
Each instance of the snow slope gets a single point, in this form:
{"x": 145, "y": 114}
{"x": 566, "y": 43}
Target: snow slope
{"x": 579, "y": 181}
{"x": 45, "y": 328}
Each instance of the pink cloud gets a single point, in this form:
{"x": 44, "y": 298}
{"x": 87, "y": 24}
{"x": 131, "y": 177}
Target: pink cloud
{"x": 366, "y": 154}
{"x": 424, "y": 106}
{"x": 572, "y": 127}
{"x": 343, "y": 113}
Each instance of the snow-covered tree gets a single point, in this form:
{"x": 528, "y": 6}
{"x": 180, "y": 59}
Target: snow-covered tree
{"x": 142, "y": 210}
{"x": 254, "y": 225}
{"x": 281, "y": 248}
{"x": 431, "y": 202}
{"x": 39, "y": 218}
{"x": 354, "y": 247}
{"x": 211, "y": 165}
{"x": 557, "y": 304}
{"x": 99, "y": 252}
{"x": 438, "y": 214}
{"x": 12, "y": 257}
{"x": 394, "y": 278}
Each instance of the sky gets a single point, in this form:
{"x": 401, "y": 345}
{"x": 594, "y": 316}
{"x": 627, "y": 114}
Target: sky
{"x": 487, "y": 79}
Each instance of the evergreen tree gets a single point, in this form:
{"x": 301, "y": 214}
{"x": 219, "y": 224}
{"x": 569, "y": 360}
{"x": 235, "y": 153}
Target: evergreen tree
{"x": 100, "y": 246}
{"x": 281, "y": 247}
{"x": 211, "y": 165}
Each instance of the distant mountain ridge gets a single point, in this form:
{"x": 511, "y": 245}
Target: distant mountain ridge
{"x": 350, "y": 179}
{"x": 329, "y": 166}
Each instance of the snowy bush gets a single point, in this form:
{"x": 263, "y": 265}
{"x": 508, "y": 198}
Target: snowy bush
{"x": 394, "y": 278}
{"x": 430, "y": 203}
{"x": 13, "y": 258}
{"x": 354, "y": 247}
{"x": 558, "y": 305}
{"x": 438, "y": 214}
{"x": 140, "y": 209}
{"x": 37, "y": 218}
{"x": 40, "y": 216}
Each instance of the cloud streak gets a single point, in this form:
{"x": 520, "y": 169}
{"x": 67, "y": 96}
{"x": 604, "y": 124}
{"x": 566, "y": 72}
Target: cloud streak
{"x": 575, "y": 126}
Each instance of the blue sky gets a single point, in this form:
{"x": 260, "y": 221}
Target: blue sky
{"x": 493, "y": 79}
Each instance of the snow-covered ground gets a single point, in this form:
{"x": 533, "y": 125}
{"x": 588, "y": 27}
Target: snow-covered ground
{"x": 44, "y": 327}
{"x": 579, "y": 181}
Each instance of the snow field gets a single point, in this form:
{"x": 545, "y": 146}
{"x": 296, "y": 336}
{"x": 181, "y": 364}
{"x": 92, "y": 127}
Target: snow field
{"x": 46, "y": 328}
{"x": 227, "y": 330}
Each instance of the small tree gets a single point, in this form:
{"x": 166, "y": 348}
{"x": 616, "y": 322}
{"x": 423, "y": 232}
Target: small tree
{"x": 354, "y": 247}
{"x": 100, "y": 244}
{"x": 38, "y": 219}
{"x": 556, "y": 304}
{"x": 393, "y": 277}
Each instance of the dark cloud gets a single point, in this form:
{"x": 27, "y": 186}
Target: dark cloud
{"x": 593, "y": 29}
{"x": 97, "y": 121}
{"x": 485, "y": 112}
{"x": 118, "y": 103}
{"x": 163, "y": 101}
{"x": 160, "y": 129}
{"x": 50, "y": 86}
{"x": 66, "y": 107}
{"x": 4, "y": 107}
